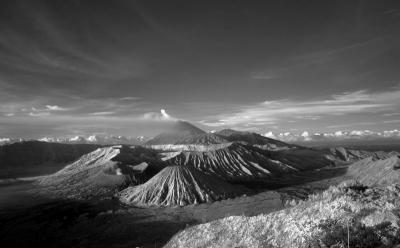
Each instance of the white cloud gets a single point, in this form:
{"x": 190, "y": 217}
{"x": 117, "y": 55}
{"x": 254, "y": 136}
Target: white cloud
{"x": 39, "y": 114}
{"x": 54, "y": 108}
{"x": 5, "y": 140}
{"x": 163, "y": 115}
{"x": 270, "y": 135}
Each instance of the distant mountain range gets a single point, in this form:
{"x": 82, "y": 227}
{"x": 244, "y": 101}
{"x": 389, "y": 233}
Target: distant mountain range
{"x": 182, "y": 132}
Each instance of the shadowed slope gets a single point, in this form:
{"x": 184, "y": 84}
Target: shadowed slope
{"x": 179, "y": 185}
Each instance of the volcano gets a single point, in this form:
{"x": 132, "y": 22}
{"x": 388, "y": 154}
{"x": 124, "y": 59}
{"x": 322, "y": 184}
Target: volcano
{"x": 178, "y": 186}
{"x": 177, "y": 134}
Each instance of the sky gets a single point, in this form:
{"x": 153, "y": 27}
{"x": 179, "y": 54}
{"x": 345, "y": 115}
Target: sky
{"x": 80, "y": 67}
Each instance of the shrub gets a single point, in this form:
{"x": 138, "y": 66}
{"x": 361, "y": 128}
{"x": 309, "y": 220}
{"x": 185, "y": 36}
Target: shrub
{"x": 382, "y": 235}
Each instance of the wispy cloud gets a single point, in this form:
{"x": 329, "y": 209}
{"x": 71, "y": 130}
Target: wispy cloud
{"x": 269, "y": 112}
{"x": 391, "y": 114}
{"x": 266, "y": 75}
{"x": 337, "y": 59}
{"x": 392, "y": 121}
{"x": 353, "y": 124}
{"x": 103, "y": 113}
{"x": 309, "y": 117}
{"x": 128, "y": 98}
{"x": 39, "y": 114}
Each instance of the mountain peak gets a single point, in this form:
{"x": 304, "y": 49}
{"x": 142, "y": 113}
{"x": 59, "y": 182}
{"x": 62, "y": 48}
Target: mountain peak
{"x": 178, "y": 131}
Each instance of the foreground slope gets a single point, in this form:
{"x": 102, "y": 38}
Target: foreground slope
{"x": 309, "y": 224}
{"x": 103, "y": 172}
{"x": 179, "y": 185}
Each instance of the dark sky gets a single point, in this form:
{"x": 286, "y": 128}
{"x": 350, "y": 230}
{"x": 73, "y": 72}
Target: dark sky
{"x": 82, "y": 67}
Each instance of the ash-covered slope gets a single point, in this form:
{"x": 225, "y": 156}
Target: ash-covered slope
{"x": 254, "y": 139}
{"x": 321, "y": 221}
{"x": 179, "y": 185}
{"x": 236, "y": 161}
{"x": 103, "y": 172}
{"x": 376, "y": 172}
